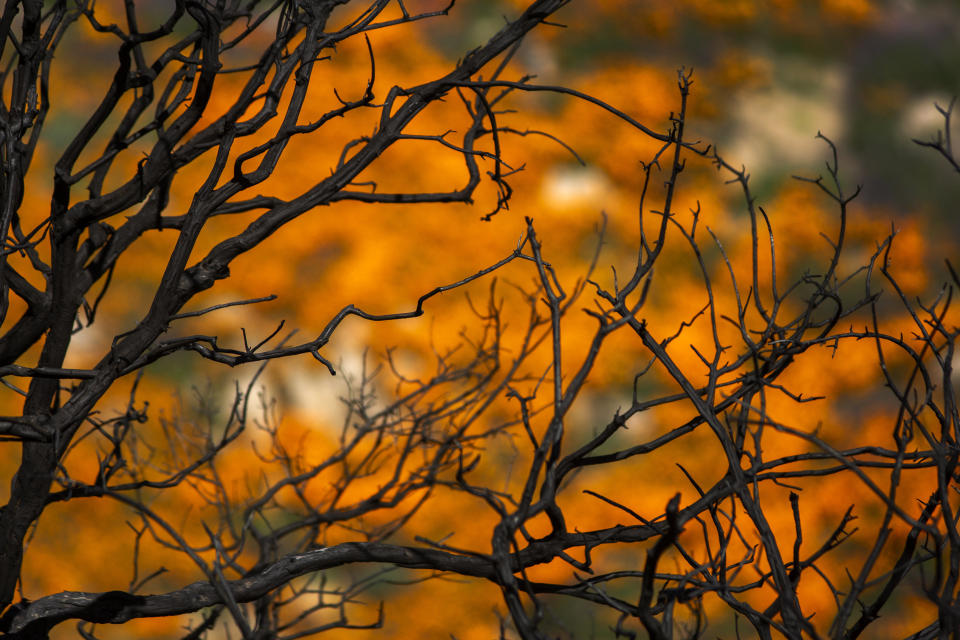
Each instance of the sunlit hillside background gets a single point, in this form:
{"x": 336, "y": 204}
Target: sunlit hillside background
{"x": 768, "y": 75}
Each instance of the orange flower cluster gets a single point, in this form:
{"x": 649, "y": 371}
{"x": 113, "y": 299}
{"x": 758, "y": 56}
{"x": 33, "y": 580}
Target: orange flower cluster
{"x": 382, "y": 258}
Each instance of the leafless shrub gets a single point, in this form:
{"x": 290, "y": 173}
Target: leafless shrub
{"x": 267, "y": 563}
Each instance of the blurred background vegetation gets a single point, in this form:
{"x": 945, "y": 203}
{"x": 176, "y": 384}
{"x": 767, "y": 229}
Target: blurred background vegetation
{"x": 768, "y": 75}
{"x": 771, "y": 73}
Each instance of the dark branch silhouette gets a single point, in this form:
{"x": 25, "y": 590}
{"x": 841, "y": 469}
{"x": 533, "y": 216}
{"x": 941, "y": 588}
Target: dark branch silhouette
{"x": 261, "y": 561}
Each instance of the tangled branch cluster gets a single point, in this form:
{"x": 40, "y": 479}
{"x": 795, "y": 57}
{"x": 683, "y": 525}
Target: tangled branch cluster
{"x": 263, "y": 563}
